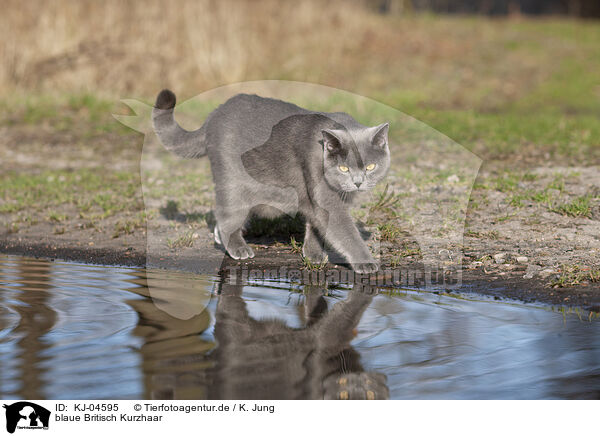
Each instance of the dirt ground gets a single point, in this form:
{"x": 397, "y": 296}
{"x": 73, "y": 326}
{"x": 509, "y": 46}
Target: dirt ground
{"x": 531, "y": 233}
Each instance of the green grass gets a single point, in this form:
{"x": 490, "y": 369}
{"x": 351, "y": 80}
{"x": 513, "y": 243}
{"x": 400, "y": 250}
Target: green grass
{"x": 518, "y": 191}
{"x": 579, "y": 207}
{"x": 56, "y": 217}
{"x": 508, "y": 182}
{"x": 295, "y": 246}
{"x": 129, "y": 226}
{"x": 185, "y": 240}
{"x": 385, "y": 202}
{"x": 98, "y": 190}
{"x": 544, "y": 197}
{"x": 84, "y": 113}
{"x": 558, "y": 116}
{"x": 572, "y": 275}
{"x": 499, "y": 135}
{"x": 404, "y": 252}
{"x": 314, "y": 266}
{"x": 389, "y": 232}
{"x": 189, "y": 188}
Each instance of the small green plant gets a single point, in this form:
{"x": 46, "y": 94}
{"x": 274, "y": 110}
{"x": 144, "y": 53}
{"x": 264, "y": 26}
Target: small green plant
{"x": 56, "y": 217}
{"x": 505, "y": 217}
{"x": 12, "y": 228}
{"x": 296, "y": 247}
{"x": 314, "y": 266}
{"x": 579, "y": 207}
{"x": 545, "y": 197}
{"x": 493, "y": 234}
{"x": 389, "y": 232}
{"x": 385, "y": 202}
{"x": 127, "y": 227}
{"x": 185, "y": 240}
{"x": 558, "y": 183}
{"x": 395, "y": 261}
{"x": 529, "y": 177}
{"x": 516, "y": 200}
{"x": 571, "y": 275}
{"x": 507, "y": 183}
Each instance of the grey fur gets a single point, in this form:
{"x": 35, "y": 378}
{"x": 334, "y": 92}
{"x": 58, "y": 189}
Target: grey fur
{"x": 270, "y": 157}
{"x": 266, "y": 359}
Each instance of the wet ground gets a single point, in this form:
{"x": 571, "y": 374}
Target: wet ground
{"x": 74, "y": 331}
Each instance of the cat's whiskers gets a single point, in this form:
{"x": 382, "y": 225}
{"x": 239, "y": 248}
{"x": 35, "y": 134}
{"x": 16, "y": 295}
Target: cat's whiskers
{"x": 343, "y": 194}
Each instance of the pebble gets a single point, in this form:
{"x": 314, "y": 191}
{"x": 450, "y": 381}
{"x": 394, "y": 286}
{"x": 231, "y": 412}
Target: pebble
{"x": 522, "y": 259}
{"x": 531, "y": 271}
{"x": 499, "y": 258}
{"x": 547, "y": 272}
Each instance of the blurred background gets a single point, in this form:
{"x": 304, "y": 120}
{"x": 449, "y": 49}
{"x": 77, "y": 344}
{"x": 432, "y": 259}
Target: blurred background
{"x": 496, "y": 75}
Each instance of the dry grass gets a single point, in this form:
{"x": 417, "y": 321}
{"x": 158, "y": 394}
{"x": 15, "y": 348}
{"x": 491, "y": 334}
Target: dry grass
{"x": 136, "y": 48}
{"x": 127, "y": 48}
{"x": 510, "y": 88}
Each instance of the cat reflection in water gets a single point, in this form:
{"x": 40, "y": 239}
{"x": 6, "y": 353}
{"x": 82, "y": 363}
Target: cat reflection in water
{"x": 266, "y": 359}
{"x": 258, "y": 359}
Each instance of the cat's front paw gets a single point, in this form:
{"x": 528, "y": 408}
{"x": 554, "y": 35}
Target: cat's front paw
{"x": 365, "y": 268}
{"x": 242, "y": 252}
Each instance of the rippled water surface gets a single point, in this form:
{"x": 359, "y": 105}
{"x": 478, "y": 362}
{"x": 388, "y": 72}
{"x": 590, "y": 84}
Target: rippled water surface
{"x": 71, "y": 331}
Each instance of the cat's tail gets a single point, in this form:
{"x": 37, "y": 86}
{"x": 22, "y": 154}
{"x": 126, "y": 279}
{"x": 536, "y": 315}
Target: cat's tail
{"x": 175, "y": 138}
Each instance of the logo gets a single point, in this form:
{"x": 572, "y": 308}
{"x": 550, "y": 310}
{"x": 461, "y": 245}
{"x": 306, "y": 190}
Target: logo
{"x": 26, "y": 415}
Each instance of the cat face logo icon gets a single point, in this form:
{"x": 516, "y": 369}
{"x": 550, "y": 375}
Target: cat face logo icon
{"x": 26, "y": 415}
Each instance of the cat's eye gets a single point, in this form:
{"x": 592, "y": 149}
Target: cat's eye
{"x": 343, "y": 168}
{"x": 370, "y": 167}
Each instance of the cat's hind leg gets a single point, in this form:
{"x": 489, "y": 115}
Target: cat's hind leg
{"x": 228, "y": 232}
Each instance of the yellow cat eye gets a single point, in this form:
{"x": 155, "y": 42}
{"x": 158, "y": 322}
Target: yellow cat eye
{"x": 343, "y": 169}
{"x": 370, "y": 167}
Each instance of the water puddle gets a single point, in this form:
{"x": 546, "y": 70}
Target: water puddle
{"x": 72, "y": 331}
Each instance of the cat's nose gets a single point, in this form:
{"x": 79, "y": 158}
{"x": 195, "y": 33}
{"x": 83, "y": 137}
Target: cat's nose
{"x": 358, "y": 184}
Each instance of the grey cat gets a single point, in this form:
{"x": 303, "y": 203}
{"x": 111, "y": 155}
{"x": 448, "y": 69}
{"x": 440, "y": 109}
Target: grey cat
{"x": 269, "y": 157}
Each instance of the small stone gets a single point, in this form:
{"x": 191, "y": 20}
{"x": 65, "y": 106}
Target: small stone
{"x": 531, "y": 271}
{"x": 499, "y": 258}
{"x": 522, "y": 259}
{"x": 453, "y": 179}
{"x": 547, "y": 272}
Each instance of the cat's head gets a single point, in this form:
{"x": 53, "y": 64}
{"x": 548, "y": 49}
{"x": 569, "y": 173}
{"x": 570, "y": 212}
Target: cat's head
{"x": 355, "y": 160}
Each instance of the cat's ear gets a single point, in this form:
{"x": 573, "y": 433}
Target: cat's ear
{"x": 380, "y": 135}
{"x": 331, "y": 142}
